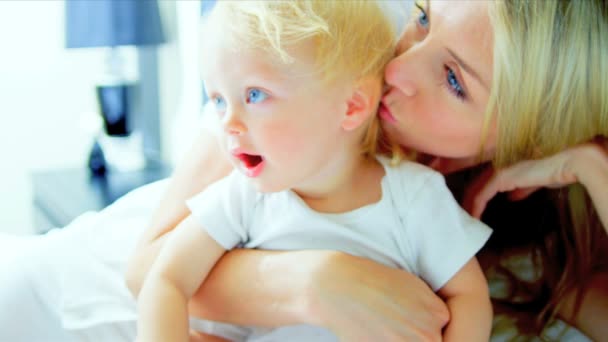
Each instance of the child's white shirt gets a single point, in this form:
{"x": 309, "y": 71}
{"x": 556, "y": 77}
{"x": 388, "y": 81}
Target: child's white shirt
{"x": 417, "y": 225}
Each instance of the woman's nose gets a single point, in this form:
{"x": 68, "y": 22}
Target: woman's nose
{"x": 398, "y": 76}
{"x": 233, "y": 124}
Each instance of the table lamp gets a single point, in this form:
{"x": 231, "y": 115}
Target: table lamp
{"x": 113, "y": 24}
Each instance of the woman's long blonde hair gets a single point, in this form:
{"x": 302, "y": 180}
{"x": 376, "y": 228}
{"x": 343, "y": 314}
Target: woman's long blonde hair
{"x": 550, "y": 92}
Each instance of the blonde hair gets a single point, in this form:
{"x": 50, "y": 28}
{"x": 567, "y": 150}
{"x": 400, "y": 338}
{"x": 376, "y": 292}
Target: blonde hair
{"x": 550, "y": 92}
{"x": 354, "y": 39}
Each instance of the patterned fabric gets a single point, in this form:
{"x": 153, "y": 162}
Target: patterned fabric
{"x": 505, "y": 327}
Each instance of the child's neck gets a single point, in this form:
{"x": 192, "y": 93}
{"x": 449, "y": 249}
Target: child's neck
{"x": 351, "y": 184}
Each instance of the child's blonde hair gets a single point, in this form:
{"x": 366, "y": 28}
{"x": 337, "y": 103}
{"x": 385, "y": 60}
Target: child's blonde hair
{"x": 353, "y": 39}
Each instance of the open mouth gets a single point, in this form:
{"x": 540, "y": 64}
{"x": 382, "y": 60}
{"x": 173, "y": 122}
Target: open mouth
{"x": 250, "y": 160}
{"x": 253, "y": 163}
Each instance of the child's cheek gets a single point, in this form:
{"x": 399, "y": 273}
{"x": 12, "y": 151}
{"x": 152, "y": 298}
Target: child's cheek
{"x": 282, "y": 140}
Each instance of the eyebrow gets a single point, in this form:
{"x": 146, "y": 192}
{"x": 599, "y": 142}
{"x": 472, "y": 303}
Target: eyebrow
{"x": 459, "y": 60}
{"x": 467, "y": 68}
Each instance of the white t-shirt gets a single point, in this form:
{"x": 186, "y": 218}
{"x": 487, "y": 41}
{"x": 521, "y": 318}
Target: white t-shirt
{"x": 417, "y": 225}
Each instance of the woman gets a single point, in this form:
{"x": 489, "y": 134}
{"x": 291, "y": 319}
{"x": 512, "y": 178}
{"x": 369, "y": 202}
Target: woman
{"x": 468, "y": 75}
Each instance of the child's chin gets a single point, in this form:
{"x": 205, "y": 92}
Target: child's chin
{"x": 267, "y": 188}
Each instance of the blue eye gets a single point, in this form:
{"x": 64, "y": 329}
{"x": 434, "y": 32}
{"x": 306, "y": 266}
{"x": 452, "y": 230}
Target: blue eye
{"x": 219, "y": 103}
{"x": 256, "y": 96}
{"x": 423, "y": 19}
{"x": 454, "y": 85}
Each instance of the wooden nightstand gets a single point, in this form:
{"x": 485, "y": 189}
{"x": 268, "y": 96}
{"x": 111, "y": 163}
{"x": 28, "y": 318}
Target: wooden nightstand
{"x": 62, "y": 195}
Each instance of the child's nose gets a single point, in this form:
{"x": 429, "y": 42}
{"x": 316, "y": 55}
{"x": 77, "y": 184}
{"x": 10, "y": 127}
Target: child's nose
{"x": 233, "y": 124}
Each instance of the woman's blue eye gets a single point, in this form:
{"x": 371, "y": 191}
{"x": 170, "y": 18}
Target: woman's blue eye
{"x": 256, "y": 96}
{"x": 423, "y": 19}
{"x": 454, "y": 85}
{"x": 219, "y": 103}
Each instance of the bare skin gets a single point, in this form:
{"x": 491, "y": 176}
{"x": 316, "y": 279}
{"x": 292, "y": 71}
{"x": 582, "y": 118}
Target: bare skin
{"x": 592, "y": 316}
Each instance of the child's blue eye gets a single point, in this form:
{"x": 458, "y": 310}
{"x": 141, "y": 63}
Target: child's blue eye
{"x": 256, "y": 95}
{"x": 219, "y": 103}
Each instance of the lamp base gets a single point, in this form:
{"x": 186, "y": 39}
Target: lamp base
{"x": 122, "y": 153}
{"x": 97, "y": 160}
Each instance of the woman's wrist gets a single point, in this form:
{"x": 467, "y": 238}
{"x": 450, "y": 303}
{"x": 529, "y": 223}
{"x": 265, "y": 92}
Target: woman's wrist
{"x": 359, "y": 299}
{"x": 301, "y": 272}
{"x": 306, "y": 277}
{"x": 591, "y": 170}
{"x": 263, "y": 288}
{"x": 318, "y": 283}
{"x": 307, "y": 274}
{"x": 589, "y": 164}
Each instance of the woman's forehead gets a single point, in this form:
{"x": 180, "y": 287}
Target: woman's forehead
{"x": 464, "y": 27}
{"x": 462, "y": 19}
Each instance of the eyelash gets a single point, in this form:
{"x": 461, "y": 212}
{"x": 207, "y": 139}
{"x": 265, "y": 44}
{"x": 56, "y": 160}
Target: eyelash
{"x": 220, "y": 107}
{"x": 451, "y": 82}
{"x": 220, "y": 104}
{"x": 257, "y": 91}
{"x": 422, "y": 15}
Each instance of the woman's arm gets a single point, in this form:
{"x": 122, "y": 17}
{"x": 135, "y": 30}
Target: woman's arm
{"x": 586, "y": 164}
{"x": 590, "y": 165}
{"x": 203, "y": 165}
{"x": 325, "y": 288}
{"x": 354, "y": 297}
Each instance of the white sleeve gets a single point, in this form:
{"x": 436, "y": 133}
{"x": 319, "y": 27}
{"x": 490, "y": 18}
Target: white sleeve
{"x": 442, "y": 237}
{"x": 224, "y": 209}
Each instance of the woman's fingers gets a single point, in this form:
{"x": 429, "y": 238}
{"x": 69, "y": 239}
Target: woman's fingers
{"x": 520, "y": 180}
{"x": 481, "y": 199}
{"x": 472, "y": 199}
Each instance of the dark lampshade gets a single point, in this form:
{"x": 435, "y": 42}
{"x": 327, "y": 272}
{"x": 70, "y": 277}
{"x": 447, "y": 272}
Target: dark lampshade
{"x": 96, "y": 23}
{"x": 206, "y": 6}
{"x": 125, "y": 144}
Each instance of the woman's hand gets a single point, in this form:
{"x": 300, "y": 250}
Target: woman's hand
{"x": 360, "y": 300}
{"x": 586, "y": 163}
{"x": 357, "y": 299}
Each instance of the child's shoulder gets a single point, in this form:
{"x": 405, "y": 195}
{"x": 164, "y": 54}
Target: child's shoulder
{"x": 407, "y": 179}
{"x": 409, "y": 170}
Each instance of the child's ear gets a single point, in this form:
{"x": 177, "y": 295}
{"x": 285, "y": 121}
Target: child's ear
{"x": 362, "y": 103}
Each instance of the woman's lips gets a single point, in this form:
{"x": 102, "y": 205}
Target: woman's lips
{"x": 385, "y": 114}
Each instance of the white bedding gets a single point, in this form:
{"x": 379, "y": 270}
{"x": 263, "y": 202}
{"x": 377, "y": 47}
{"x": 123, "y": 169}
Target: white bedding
{"x": 78, "y": 271}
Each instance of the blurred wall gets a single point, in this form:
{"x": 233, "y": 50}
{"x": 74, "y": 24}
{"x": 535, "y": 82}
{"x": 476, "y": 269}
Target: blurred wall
{"x": 45, "y": 98}
{"x": 47, "y": 104}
